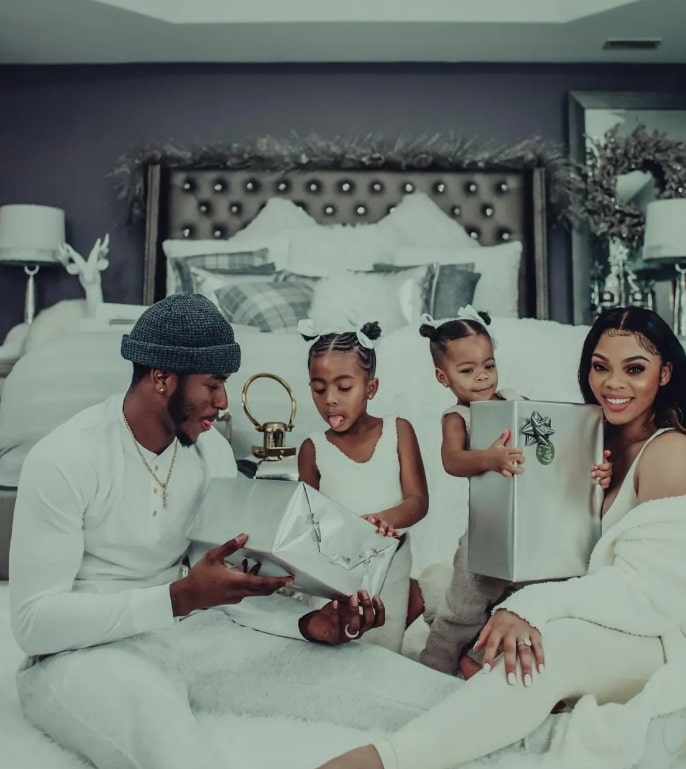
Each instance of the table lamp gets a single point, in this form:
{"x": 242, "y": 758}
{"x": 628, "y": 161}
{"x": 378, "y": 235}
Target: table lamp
{"x": 665, "y": 242}
{"x": 29, "y": 237}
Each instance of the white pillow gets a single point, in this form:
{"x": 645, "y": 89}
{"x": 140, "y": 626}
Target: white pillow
{"x": 497, "y": 291}
{"x": 417, "y": 220}
{"x": 347, "y": 299}
{"x": 326, "y": 249}
{"x": 277, "y": 217}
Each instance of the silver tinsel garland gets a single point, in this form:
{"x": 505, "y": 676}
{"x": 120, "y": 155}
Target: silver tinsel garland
{"x": 437, "y": 152}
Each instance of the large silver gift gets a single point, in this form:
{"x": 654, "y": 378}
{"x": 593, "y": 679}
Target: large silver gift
{"x": 294, "y": 529}
{"x": 543, "y": 523}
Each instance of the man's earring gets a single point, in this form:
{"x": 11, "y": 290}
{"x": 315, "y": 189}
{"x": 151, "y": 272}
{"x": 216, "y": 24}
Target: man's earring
{"x": 161, "y": 389}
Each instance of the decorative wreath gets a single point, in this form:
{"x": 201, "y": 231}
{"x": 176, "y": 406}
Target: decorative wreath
{"x": 607, "y": 215}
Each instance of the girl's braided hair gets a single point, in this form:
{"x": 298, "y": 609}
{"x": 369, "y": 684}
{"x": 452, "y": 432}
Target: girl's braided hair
{"x": 439, "y": 336}
{"x": 347, "y": 341}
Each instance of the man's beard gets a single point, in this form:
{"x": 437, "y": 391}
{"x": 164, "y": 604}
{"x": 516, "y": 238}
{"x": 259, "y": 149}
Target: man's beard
{"x": 180, "y": 412}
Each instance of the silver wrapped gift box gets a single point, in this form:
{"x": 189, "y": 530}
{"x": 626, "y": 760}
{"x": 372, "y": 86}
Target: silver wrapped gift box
{"x": 294, "y": 529}
{"x": 543, "y": 523}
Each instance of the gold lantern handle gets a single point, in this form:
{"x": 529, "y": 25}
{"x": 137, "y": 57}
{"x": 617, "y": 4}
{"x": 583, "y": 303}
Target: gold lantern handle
{"x": 274, "y": 432}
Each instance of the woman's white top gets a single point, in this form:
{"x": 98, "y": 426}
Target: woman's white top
{"x": 627, "y": 498}
{"x": 363, "y": 487}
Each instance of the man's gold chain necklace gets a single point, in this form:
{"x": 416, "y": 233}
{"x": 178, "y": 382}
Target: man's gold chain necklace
{"x": 162, "y": 484}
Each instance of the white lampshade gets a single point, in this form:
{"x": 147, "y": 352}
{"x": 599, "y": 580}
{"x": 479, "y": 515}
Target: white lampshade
{"x": 665, "y": 231}
{"x": 30, "y": 234}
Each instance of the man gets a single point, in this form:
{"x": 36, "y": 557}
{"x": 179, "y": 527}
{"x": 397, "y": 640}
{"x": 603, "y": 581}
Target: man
{"x": 118, "y": 657}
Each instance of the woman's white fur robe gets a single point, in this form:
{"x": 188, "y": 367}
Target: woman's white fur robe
{"x": 636, "y": 583}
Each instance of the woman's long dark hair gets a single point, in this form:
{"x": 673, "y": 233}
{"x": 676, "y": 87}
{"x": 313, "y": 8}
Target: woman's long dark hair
{"x": 658, "y": 338}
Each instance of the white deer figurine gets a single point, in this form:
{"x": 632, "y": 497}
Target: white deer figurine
{"x": 88, "y": 270}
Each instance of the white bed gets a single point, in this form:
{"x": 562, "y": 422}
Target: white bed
{"x": 535, "y": 356}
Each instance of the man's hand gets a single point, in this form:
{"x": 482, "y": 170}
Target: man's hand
{"x": 212, "y": 582}
{"x": 342, "y": 621}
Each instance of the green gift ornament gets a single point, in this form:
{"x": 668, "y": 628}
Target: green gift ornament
{"x": 537, "y": 430}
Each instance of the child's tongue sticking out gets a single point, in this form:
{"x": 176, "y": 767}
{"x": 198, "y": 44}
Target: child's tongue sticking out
{"x": 336, "y": 420}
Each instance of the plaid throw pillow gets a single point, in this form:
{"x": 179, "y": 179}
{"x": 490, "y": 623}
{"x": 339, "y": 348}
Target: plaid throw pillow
{"x": 269, "y": 306}
{"x": 234, "y": 263}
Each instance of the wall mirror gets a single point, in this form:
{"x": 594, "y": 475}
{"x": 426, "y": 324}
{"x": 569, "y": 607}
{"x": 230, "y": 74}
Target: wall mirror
{"x": 591, "y": 114}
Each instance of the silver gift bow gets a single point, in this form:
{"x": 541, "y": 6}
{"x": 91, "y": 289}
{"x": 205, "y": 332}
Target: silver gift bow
{"x": 537, "y": 430}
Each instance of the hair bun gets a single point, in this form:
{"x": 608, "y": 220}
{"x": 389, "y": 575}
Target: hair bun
{"x": 372, "y": 330}
{"x": 427, "y": 330}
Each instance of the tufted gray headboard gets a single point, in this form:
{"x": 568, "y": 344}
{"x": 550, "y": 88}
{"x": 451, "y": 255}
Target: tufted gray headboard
{"x": 493, "y": 205}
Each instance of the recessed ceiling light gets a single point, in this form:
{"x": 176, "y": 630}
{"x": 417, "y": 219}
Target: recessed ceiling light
{"x": 632, "y": 43}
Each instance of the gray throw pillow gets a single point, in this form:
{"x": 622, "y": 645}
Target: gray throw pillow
{"x": 454, "y": 287}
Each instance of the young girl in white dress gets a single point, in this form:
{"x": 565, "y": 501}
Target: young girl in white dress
{"x": 370, "y": 465}
{"x": 463, "y": 354}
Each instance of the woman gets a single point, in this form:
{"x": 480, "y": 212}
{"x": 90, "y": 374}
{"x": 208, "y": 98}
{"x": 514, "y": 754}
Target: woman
{"x": 604, "y": 634}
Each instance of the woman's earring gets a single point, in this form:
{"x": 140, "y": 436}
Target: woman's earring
{"x": 161, "y": 389}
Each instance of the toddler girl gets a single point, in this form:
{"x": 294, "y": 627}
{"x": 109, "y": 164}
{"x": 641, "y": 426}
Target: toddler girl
{"x": 462, "y": 352}
{"x": 370, "y": 465}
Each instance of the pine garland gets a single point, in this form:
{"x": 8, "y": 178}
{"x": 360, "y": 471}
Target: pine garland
{"x": 437, "y": 152}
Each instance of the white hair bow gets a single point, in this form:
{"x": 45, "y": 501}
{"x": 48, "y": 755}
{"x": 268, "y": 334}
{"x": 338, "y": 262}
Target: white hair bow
{"x": 469, "y": 313}
{"x": 464, "y": 313}
{"x": 308, "y": 328}
{"x": 427, "y": 320}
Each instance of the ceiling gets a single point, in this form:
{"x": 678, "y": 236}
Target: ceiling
{"x": 125, "y": 31}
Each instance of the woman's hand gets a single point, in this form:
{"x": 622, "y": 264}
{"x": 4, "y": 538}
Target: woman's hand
{"x": 382, "y": 527}
{"x": 602, "y": 473}
{"x": 517, "y": 639}
{"x": 340, "y": 622}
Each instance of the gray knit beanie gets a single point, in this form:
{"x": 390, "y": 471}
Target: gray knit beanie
{"x": 184, "y": 333}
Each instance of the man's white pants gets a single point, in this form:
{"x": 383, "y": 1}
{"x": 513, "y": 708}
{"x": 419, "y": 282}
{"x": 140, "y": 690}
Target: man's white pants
{"x": 130, "y": 704}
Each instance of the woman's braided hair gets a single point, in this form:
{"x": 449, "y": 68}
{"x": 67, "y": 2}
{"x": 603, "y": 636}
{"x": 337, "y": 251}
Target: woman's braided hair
{"x": 347, "y": 341}
{"x": 439, "y": 336}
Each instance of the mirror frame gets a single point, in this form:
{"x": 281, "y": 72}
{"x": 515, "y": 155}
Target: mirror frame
{"x": 578, "y": 103}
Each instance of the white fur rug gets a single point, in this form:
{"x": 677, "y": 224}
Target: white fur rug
{"x": 264, "y": 742}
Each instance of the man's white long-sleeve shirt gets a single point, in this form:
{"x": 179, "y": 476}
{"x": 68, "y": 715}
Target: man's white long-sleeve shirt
{"x": 93, "y": 547}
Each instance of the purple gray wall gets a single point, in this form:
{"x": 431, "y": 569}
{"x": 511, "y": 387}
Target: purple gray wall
{"x": 63, "y": 128}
